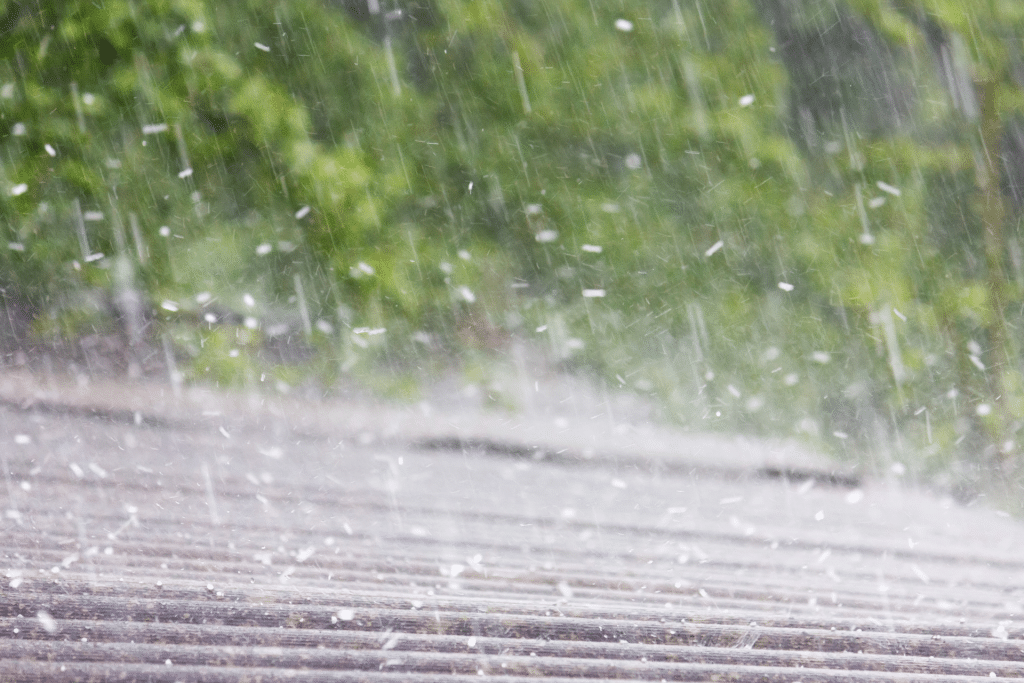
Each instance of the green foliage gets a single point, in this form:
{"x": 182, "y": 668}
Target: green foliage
{"x": 777, "y": 216}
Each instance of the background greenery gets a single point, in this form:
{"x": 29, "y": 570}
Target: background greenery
{"x": 781, "y": 216}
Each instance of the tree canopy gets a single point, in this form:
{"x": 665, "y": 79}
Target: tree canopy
{"x": 794, "y": 216}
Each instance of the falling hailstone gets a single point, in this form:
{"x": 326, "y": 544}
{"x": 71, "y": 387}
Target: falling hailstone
{"x": 624, "y": 25}
{"x": 785, "y": 287}
{"x": 48, "y": 623}
{"x": 746, "y": 100}
{"x": 886, "y": 187}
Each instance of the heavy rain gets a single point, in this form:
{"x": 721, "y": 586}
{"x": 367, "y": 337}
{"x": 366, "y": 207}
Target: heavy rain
{"x": 417, "y": 340}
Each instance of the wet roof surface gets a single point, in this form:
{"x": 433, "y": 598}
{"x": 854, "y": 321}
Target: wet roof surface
{"x": 202, "y": 538}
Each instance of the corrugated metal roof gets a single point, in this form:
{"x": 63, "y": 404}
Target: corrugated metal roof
{"x": 257, "y": 544}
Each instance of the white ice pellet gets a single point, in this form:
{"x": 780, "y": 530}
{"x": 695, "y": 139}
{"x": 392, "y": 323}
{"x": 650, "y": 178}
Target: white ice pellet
{"x": 48, "y": 623}
{"x": 822, "y": 357}
{"x": 886, "y": 187}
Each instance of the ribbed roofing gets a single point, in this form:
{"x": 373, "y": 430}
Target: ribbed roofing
{"x": 237, "y": 546}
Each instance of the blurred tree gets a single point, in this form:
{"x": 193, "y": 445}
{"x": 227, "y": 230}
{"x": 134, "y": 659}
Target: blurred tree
{"x": 785, "y": 215}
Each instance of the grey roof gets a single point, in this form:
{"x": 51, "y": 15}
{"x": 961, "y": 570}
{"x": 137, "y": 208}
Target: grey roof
{"x": 195, "y": 536}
